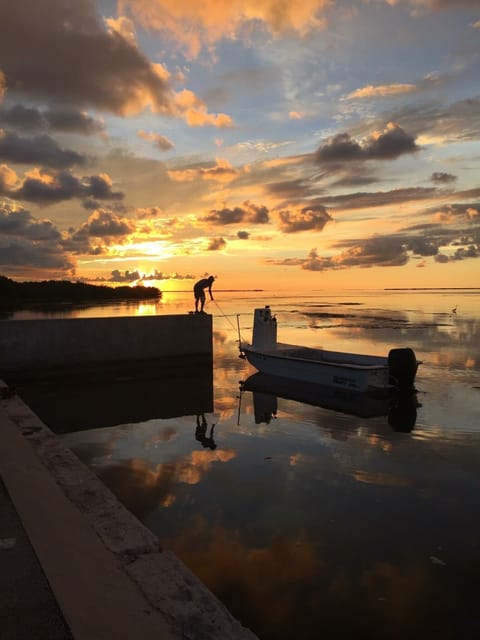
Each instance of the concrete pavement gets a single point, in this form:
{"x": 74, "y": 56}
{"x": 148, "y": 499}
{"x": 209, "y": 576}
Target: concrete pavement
{"x": 75, "y": 563}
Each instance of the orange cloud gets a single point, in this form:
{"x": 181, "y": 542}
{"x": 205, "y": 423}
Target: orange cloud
{"x": 8, "y": 177}
{"x": 195, "y": 25}
{"x": 124, "y": 27}
{"x": 221, "y": 172}
{"x": 161, "y": 142}
{"x": 381, "y": 91}
{"x": 3, "y": 85}
{"x": 195, "y": 113}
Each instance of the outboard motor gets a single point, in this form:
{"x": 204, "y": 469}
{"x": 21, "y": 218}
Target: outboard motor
{"x": 264, "y": 329}
{"x": 402, "y": 368}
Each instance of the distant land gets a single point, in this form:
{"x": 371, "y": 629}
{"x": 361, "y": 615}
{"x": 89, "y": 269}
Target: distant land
{"x": 432, "y": 289}
{"x": 51, "y": 291}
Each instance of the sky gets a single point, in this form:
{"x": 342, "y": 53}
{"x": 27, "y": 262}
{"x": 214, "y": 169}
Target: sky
{"x": 275, "y": 144}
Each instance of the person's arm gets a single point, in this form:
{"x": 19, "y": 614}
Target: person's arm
{"x": 210, "y": 291}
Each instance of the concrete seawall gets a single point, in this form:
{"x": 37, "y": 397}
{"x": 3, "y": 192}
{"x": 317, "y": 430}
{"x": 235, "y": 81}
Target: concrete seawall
{"x": 107, "y": 571}
{"x": 45, "y": 344}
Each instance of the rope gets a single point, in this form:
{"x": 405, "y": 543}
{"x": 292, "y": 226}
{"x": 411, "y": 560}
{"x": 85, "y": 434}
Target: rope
{"x": 225, "y": 316}
{"x": 237, "y": 329}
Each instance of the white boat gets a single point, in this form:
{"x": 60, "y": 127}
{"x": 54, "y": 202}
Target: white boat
{"x": 333, "y": 368}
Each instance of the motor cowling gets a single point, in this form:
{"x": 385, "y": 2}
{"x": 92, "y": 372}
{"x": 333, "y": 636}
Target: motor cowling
{"x": 264, "y": 329}
{"x": 402, "y": 368}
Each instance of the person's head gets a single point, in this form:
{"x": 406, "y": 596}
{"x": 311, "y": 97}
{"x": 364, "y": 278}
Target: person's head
{"x": 211, "y": 279}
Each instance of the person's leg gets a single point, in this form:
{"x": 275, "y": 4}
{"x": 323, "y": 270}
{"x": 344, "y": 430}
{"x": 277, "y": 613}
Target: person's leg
{"x": 202, "y": 302}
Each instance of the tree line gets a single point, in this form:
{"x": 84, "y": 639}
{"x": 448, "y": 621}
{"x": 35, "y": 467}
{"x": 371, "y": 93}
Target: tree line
{"x": 65, "y": 291}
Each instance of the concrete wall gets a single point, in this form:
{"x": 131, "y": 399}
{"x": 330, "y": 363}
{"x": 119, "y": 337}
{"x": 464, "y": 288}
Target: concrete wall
{"x": 41, "y": 344}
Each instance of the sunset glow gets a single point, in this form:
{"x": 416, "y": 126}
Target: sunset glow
{"x": 326, "y": 144}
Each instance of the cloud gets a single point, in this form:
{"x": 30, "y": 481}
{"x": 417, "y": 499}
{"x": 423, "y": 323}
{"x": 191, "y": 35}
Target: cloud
{"x": 372, "y": 252}
{"x": 307, "y": 219}
{"x": 3, "y": 85}
{"x": 127, "y": 276}
{"x": 41, "y": 150}
{"x": 432, "y": 123}
{"x": 160, "y": 142}
{"x": 8, "y": 178}
{"x": 367, "y": 199}
{"x": 249, "y": 212}
{"x": 222, "y": 171}
{"x": 76, "y": 59}
{"x": 26, "y": 242}
{"x": 442, "y": 178}
{"x": 216, "y": 244}
{"x": 105, "y": 224}
{"x": 389, "y": 144}
{"x": 195, "y": 112}
{"x": 381, "y": 91}
{"x": 48, "y": 187}
{"x": 421, "y": 6}
{"x": 243, "y": 235}
{"x": 195, "y": 25}
{"x": 68, "y": 120}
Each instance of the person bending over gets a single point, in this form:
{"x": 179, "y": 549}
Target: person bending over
{"x": 199, "y": 292}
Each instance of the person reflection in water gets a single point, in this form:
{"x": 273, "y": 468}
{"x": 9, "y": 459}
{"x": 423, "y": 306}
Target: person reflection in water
{"x": 201, "y": 433}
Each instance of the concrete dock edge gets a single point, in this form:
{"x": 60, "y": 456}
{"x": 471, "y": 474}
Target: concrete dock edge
{"x": 108, "y": 573}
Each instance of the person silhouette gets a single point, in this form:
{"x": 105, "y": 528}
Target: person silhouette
{"x": 201, "y": 433}
{"x": 199, "y": 293}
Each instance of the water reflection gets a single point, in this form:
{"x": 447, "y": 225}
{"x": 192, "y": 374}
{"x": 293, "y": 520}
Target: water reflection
{"x": 400, "y": 409}
{"x": 314, "y": 515}
{"x": 201, "y": 432}
{"x": 137, "y": 392}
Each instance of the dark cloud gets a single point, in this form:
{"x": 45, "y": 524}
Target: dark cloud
{"x": 26, "y": 242}
{"x": 105, "y": 224}
{"x": 159, "y": 275}
{"x": 75, "y": 60}
{"x": 127, "y": 276}
{"x": 48, "y": 187}
{"x": 379, "y": 198}
{"x": 457, "y": 121}
{"x": 249, "y": 212}
{"x": 388, "y": 145}
{"x": 308, "y": 219}
{"x": 15, "y": 255}
{"x": 380, "y": 251}
{"x": 352, "y": 180}
{"x": 216, "y": 244}
{"x": 423, "y": 247}
{"x": 132, "y": 276}
{"x": 289, "y": 188}
{"x": 41, "y": 150}
{"x": 27, "y": 118}
{"x": 395, "y": 250}
{"x": 21, "y": 223}
{"x": 442, "y": 178}
{"x": 102, "y": 228}
{"x": 243, "y": 235}
{"x": 67, "y": 120}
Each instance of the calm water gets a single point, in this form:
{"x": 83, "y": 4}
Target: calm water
{"x": 309, "y": 522}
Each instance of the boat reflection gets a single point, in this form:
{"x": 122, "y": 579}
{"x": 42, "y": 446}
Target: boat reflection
{"x": 400, "y": 409}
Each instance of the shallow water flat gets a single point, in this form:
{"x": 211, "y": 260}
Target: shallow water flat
{"x": 312, "y": 516}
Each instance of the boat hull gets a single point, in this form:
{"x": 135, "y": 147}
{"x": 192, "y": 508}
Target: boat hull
{"x": 356, "y": 377}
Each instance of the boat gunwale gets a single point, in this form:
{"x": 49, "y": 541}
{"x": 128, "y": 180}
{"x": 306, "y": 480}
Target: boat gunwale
{"x": 343, "y": 365}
